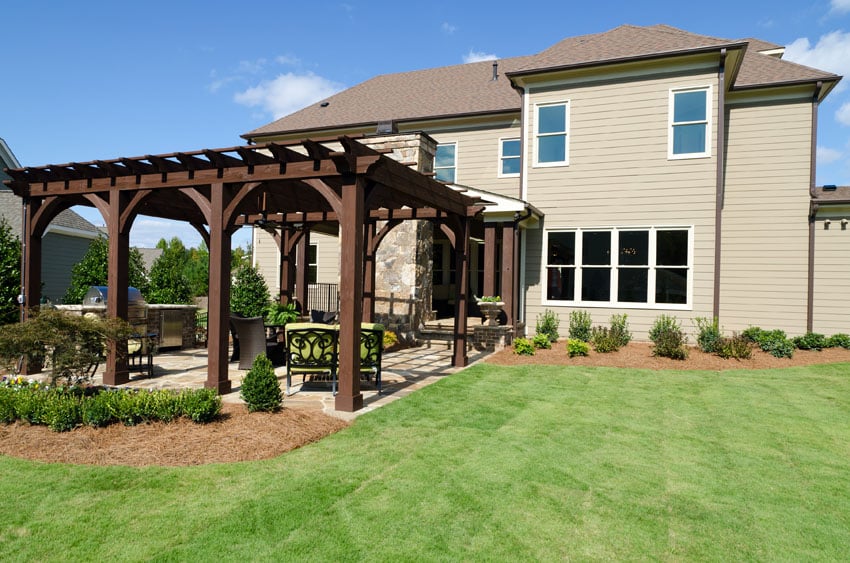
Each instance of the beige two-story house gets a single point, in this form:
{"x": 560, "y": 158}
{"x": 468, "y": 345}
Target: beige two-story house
{"x": 650, "y": 170}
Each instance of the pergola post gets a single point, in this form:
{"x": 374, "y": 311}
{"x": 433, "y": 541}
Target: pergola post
{"x": 287, "y": 264}
{"x": 349, "y": 398}
{"x": 369, "y": 272}
{"x": 489, "y": 260}
{"x": 302, "y": 288}
{"x": 30, "y": 275}
{"x": 219, "y": 294}
{"x": 459, "y": 358}
{"x": 509, "y": 268}
{"x": 118, "y": 280}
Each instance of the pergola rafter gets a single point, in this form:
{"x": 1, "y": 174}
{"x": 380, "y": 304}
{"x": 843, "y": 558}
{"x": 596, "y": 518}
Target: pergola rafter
{"x": 338, "y": 180}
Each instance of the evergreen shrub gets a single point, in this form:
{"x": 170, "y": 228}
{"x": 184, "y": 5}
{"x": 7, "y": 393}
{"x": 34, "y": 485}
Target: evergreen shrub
{"x": 260, "y": 388}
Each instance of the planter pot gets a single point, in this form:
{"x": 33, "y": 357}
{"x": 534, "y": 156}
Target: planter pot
{"x": 491, "y": 310}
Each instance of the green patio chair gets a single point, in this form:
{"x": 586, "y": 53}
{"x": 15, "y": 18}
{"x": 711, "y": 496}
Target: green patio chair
{"x": 371, "y": 352}
{"x": 311, "y": 349}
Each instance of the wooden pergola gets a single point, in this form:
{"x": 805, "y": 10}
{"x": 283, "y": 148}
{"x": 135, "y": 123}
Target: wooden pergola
{"x": 306, "y": 182}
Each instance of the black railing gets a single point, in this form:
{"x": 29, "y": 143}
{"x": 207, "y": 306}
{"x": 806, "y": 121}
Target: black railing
{"x": 322, "y": 297}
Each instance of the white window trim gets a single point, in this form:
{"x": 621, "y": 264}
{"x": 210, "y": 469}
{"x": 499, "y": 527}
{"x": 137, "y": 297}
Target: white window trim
{"x": 502, "y": 156}
{"x": 455, "y": 143}
{"x": 566, "y": 133}
{"x": 613, "y": 303}
{"x": 709, "y": 105}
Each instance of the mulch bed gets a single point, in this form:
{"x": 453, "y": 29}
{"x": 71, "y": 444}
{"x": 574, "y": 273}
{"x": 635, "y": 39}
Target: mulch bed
{"x": 237, "y": 436}
{"x": 639, "y": 355}
{"x": 243, "y": 436}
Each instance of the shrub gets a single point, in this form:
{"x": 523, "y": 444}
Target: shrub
{"x": 602, "y": 340}
{"x": 708, "y": 334}
{"x": 10, "y": 273}
{"x": 249, "y": 294}
{"x": 98, "y": 410}
{"x": 7, "y": 405}
{"x": 774, "y": 342}
{"x": 280, "y": 313}
{"x": 547, "y": 325}
{"x": 753, "y": 334}
{"x": 811, "y": 341}
{"x": 390, "y": 339}
{"x": 31, "y": 404}
{"x": 541, "y": 341}
{"x": 669, "y": 339}
{"x": 576, "y": 347}
{"x": 839, "y": 340}
{"x": 63, "y": 412}
{"x": 157, "y": 405}
{"x": 580, "y": 324}
{"x": 523, "y": 347}
{"x": 737, "y": 346}
{"x": 260, "y": 388}
{"x": 620, "y": 329}
{"x": 201, "y": 405}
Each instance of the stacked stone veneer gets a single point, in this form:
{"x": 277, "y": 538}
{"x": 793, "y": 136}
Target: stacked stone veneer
{"x": 403, "y": 286}
{"x": 153, "y": 321}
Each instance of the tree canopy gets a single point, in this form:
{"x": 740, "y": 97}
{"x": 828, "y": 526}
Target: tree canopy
{"x": 10, "y": 274}
{"x": 93, "y": 270}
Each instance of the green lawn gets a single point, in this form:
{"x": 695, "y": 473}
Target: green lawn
{"x": 492, "y": 463}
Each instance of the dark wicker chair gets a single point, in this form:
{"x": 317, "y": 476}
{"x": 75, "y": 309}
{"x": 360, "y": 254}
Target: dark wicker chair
{"x": 251, "y": 335}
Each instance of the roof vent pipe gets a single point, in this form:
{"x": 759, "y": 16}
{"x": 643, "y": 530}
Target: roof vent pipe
{"x": 495, "y": 70}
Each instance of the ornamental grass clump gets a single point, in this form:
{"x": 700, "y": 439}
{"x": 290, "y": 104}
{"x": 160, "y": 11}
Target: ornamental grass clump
{"x": 669, "y": 338}
{"x": 580, "y": 325}
{"x": 260, "y": 388}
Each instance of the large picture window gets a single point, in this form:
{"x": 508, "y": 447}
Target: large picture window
{"x": 552, "y": 126}
{"x": 445, "y": 163}
{"x": 631, "y": 267}
{"x": 689, "y": 124}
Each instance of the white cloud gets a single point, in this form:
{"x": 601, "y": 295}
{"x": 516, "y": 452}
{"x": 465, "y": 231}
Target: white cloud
{"x": 831, "y": 53}
{"x": 288, "y": 93}
{"x": 843, "y": 114}
{"x": 448, "y": 28}
{"x": 840, "y": 6}
{"x": 826, "y": 155}
{"x": 288, "y": 60}
{"x": 478, "y": 56}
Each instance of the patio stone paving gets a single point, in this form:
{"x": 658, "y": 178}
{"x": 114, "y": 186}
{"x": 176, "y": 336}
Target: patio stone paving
{"x": 404, "y": 372}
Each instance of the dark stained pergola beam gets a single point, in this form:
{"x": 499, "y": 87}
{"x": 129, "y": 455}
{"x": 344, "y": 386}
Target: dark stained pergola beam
{"x": 285, "y": 154}
{"x": 192, "y": 163}
{"x": 221, "y": 160}
{"x": 253, "y": 157}
{"x": 164, "y": 165}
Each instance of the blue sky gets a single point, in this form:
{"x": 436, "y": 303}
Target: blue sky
{"x": 97, "y": 80}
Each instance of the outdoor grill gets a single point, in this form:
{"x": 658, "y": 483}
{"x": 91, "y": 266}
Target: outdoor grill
{"x": 97, "y": 298}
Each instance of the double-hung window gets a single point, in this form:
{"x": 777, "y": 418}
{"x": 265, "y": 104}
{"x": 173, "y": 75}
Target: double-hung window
{"x": 551, "y": 135}
{"x": 689, "y": 123}
{"x": 509, "y": 157}
{"x": 629, "y": 267}
{"x": 313, "y": 263}
{"x": 445, "y": 163}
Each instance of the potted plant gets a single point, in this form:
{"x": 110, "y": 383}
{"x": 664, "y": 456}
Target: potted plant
{"x": 491, "y": 306}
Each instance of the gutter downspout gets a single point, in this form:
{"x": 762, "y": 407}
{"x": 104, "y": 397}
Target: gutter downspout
{"x": 519, "y": 268}
{"x": 721, "y": 184}
{"x": 813, "y": 209}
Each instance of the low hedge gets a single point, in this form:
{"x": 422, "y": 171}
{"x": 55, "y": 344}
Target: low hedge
{"x": 65, "y": 408}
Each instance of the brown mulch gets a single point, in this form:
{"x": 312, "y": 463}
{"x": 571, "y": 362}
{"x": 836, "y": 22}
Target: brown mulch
{"x": 237, "y": 436}
{"x": 243, "y": 436}
{"x": 639, "y": 355}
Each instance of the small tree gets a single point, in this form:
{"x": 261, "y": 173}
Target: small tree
{"x": 168, "y": 282}
{"x": 249, "y": 294}
{"x": 198, "y": 270}
{"x": 93, "y": 270}
{"x": 260, "y": 388}
{"x": 10, "y": 274}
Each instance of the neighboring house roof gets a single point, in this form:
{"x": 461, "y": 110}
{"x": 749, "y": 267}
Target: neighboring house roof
{"x": 149, "y": 256}
{"x": 469, "y": 89}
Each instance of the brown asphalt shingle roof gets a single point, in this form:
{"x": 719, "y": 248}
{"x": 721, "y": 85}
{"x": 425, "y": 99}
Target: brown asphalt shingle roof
{"x": 468, "y": 89}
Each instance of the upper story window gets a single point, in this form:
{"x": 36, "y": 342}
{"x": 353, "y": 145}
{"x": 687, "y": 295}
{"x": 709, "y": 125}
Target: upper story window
{"x": 313, "y": 263}
{"x": 689, "y": 123}
{"x": 445, "y": 162}
{"x": 509, "y": 157}
{"x": 552, "y": 124}
{"x": 625, "y": 267}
